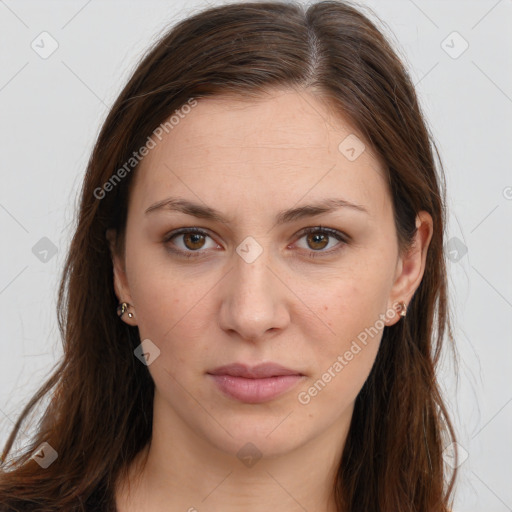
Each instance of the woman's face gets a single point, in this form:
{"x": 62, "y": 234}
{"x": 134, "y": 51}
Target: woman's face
{"x": 252, "y": 287}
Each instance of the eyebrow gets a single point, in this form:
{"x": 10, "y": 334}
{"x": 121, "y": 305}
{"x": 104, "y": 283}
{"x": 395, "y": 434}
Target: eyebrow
{"x": 283, "y": 217}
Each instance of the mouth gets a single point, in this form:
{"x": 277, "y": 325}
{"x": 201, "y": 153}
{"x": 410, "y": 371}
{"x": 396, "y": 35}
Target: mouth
{"x": 256, "y": 384}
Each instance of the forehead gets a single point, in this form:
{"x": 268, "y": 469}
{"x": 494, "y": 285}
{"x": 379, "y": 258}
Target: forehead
{"x": 282, "y": 146}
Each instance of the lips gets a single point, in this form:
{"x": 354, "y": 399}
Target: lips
{"x": 260, "y": 371}
{"x": 256, "y": 384}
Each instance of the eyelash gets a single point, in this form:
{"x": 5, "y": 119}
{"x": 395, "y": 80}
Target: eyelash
{"x": 306, "y": 231}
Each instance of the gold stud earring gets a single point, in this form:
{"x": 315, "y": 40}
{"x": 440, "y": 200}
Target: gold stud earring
{"x": 402, "y": 308}
{"x": 122, "y": 308}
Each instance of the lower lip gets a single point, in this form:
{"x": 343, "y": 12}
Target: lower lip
{"x": 254, "y": 391}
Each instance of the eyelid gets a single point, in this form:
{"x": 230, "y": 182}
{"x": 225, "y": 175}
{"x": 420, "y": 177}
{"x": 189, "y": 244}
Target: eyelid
{"x": 336, "y": 233}
{"x": 182, "y": 231}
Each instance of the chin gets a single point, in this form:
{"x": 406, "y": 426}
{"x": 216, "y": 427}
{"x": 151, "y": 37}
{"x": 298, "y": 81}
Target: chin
{"x": 257, "y": 435}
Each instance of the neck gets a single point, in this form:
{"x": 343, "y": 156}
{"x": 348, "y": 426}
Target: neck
{"x": 182, "y": 471}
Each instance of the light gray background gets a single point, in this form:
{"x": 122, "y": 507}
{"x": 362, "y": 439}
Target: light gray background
{"x": 51, "y": 111}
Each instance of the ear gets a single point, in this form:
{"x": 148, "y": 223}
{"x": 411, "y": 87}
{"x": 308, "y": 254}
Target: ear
{"x": 121, "y": 287}
{"x": 411, "y": 265}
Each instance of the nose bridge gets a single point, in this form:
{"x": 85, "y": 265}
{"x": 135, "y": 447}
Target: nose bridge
{"x": 252, "y": 303}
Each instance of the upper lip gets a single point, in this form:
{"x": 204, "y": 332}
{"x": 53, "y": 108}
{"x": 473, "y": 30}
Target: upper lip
{"x": 259, "y": 371}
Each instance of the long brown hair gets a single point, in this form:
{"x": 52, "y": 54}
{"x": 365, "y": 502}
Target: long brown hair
{"x": 100, "y": 413}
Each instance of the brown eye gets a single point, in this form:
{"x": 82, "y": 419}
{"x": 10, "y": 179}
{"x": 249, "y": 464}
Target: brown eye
{"x": 193, "y": 241}
{"x": 317, "y": 241}
{"x": 188, "y": 242}
{"x": 318, "y": 238}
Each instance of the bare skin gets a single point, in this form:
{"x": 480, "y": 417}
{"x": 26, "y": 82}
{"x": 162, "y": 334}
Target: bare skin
{"x": 250, "y": 159}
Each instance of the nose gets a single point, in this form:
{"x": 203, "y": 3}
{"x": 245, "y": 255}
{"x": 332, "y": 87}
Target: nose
{"x": 254, "y": 299}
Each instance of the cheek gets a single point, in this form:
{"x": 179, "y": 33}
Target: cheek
{"x": 173, "y": 314}
{"x": 353, "y": 302}
{"x": 346, "y": 357}
{"x": 355, "y": 311}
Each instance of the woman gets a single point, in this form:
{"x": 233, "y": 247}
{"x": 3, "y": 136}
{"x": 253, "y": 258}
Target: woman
{"x": 255, "y": 297}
